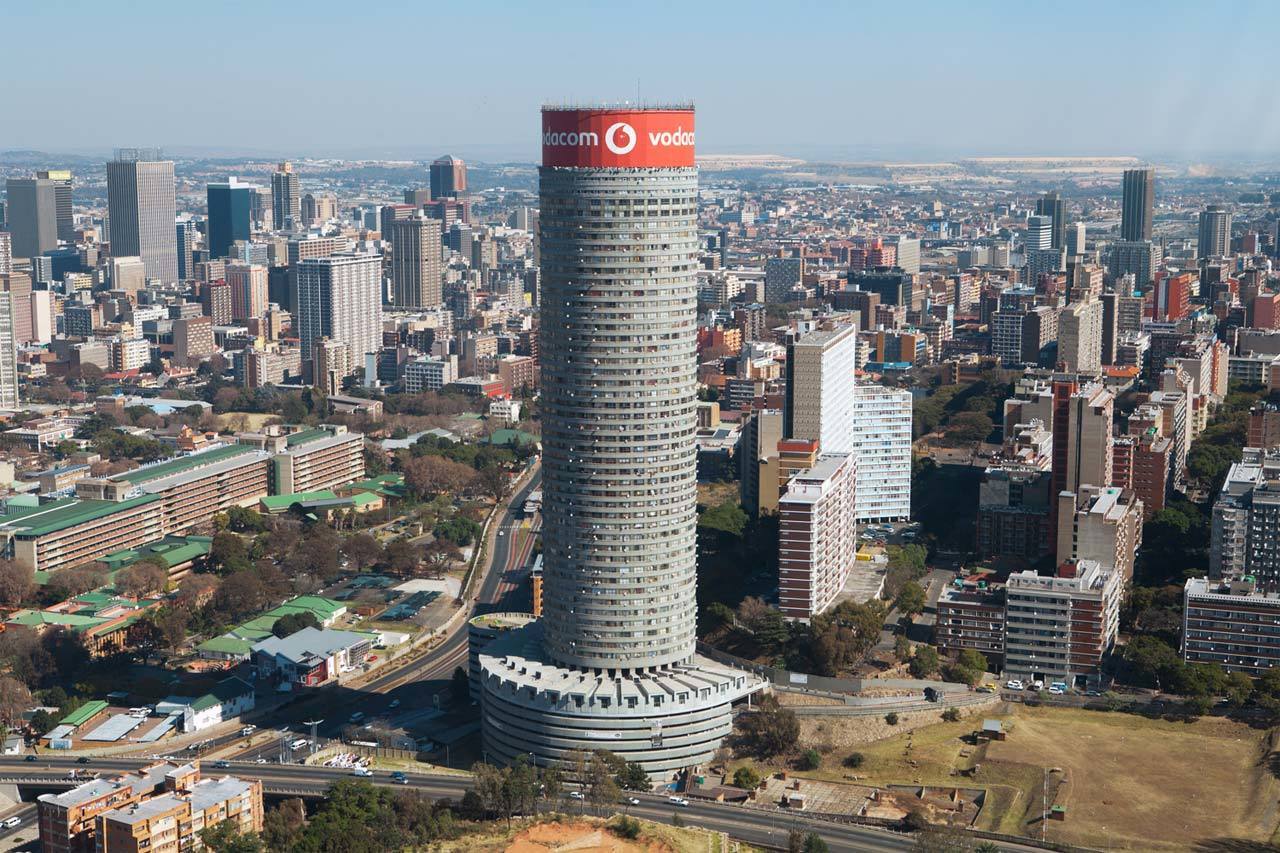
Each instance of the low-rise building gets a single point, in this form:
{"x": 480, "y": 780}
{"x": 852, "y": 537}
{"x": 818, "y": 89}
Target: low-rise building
{"x": 312, "y": 656}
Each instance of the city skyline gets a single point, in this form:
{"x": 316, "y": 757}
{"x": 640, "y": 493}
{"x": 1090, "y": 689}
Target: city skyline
{"x": 1144, "y": 102}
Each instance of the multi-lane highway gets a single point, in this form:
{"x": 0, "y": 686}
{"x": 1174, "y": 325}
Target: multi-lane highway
{"x": 762, "y": 827}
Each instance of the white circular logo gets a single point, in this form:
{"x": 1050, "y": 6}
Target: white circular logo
{"x": 627, "y": 131}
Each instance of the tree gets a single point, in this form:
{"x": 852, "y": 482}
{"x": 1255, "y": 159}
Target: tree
{"x": 361, "y": 550}
{"x": 911, "y": 599}
{"x": 14, "y": 699}
{"x": 226, "y": 837}
{"x": 602, "y": 769}
{"x": 970, "y": 427}
{"x": 245, "y": 520}
{"x": 1238, "y": 688}
{"x": 15, "y": 583}
{"x": 973, "y": 660}
{"x": 800, "y": 841}
{"x": 292, "y": 623}
{"x": 493, "y": 481}
{"x": 141, "y": 579}
{"x": 746, "y": 778}
{"x": 460, "y": 686}
{"x": 810, "y": 759}
{"x": 632, "y": 777}
{"x": 428, "y": 476}
{"x": 771, "y": 729}
{"x": 951, "y": 715}
{"x": 67, "y": 583}
{"x": 239, "y": 595}
{"x": 42, "y": 722}
{"x": 901, "y": 648}
{"x": 440, "y": 554}
{"x": 457, "y": 529}
{"x": 403, "y": 556}
{"x": 169, "y": 626}
{"x": 727, "y": 517}
{"x": 227, "y": 552}
{"x": 924, "y": 662}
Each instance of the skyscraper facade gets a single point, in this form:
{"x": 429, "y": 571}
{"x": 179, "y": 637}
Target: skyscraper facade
{"x": 340, "y": 298}
{"x": 416, "y": 268}
{"x": 448, "y": 177}
{"x": 248, "y": 290}
{"x": 1138, "y": 204}
{"x": 32, "y": 215}
{"x": 142, "y": 211}
{"x": 62, "y": 197}
{"x": 286, "y": 201}
{"x": 1050, "y": 205}
{"x": 1215, "y": 232}
{"x": 187, "y": 236}
{"x": 821, "y": 368}
{"x": 230, "y": 215}
{"x": 613, "y": 658}
{"x": 8, "y": 353}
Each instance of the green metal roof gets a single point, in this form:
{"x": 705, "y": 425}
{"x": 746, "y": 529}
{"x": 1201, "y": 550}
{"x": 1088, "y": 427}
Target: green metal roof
{"x": 306, "y": 435}
{"x": 36, "y": 618}
{"x": 84, "y": 713}
{"x": 183, "y": 463}
{"x": 279, "y": 503}
{"x": 226, "y": 645}
{"x": 73, "y": 514}
{"x": 512, "y": 436}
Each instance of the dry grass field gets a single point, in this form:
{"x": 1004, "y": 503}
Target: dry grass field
{"x": 1126, "y": 782}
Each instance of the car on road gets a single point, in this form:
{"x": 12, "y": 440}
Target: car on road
{"x": 84, "y": 759}
{"x": 575, "y": 795}
{"x": 248, "y": 730}
{"x": 1013, "y": 684}
{"x": 395, "y": 703}
{"x": 355, "y": 718}
{"x": 10, "y": 823}
{"x": 633, "y": 801}
{"x": 361, "y": 771}
{"x": 31, "y": 757}
{"x": 222, "y": 764}
{"x": 260, "y": 761}
{"x": 399, "y": 778}
{"x": 299, "y": 743}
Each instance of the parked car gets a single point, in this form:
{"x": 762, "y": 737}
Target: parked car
{"x": 575, "y": 795}
{"x": 1036, "y": 685}
{"x": 987, "y": 688}
{"x": 1013, "y": 684}
{"x": 1055, "y": 690}
{"x": 248, "y": 730}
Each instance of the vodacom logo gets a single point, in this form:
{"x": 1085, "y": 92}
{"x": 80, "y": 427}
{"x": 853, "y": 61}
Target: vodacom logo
{"x": 623, "y": 130}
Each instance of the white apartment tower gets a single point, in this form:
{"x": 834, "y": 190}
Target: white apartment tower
{"x": 882, "y": 445}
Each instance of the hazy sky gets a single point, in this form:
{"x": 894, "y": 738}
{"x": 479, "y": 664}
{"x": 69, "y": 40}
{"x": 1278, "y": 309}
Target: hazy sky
{"x": 886, "y": 79}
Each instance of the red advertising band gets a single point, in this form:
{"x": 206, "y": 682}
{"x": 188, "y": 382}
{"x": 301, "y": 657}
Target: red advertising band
{"x": 617, "y": 139}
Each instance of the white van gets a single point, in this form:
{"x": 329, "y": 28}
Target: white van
{"x": 299, "y": 743}
{"x": 11, "y": 822}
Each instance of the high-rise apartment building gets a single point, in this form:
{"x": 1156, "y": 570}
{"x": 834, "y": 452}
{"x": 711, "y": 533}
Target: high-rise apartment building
{"x": 248, "y": 284}
{"x": 1040, "y": 233}
{"x": 8, "y": 354}
{"x": 230, "y": 215}
{"x": 448, "y": 177}
{"x": 1082, "y": 429}
{"x": 781, "y": 275}
{"x": 618, "y": 629}
{"x": 820, "y": 402}
{"x": 286, "y": 201}
{"x": 907, "y": 251}
{"x": 62, "y": 195}
{"x": 6, "y": 252}
{"x": 1080, "y": 337}
{"x": 340, "y": 298}
{"x": 142, "y": 211}
{"x": 302, "y": 249}
{"x": 1138, "y": 204}
{"x": 882, "y": 446}
{"x": 416, "y": 267}
{"x": 31, "y": 214}
{"x": 817, "y": 536}
{"x": 1103, "y": 524}
{"x": 1215, "y": 232}
{"x": 188, "y": 237}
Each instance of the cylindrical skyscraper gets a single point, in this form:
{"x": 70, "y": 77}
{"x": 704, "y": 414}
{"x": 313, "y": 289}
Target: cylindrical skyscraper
{"x": 612, "y": 662}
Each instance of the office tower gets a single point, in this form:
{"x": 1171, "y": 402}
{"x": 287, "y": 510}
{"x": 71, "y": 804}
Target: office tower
{"x": 1140, "y": 259}
{"x": 1075, "y": 239}
{"x": 230, "y": 215}
{"x": 142, "y": 209}
{"x": 299, "y": 251}
{"x": 62, "y": 195}
{"x": 6, "y": 252}
{"x": 416, "y": 269}
{"x": 820, "y": 389}
{"x": 8, "y": 354}
{"x": 340, "y": 298}
{"x": 286, "y": 201}
{"x": 448, "y": 177}
{"x": 417, "y": 197}
{"x": 1082, "y": 428}
{"x": 1121, "y": 315}
{"x": 1215, "y": 232}
{"x": 1080, "y": 337}
{"x": 32, "y": 214}
{"x": 882, "y": 447}
{"x": 619, "y": 538}
{"x": 188, "y": 237}
{"x": 1050, "y": 205}
{"x": 318, "y": 208}
{"x": 1039, "y": 233}
{"x": 907, "y": 253}
{"x": 895, "y": 286}
{"x": 1043, "y": 262}
{"x": 817, "y": 536}
{"x": 389, "y": 214}
{"x": 1172, "y": 297}
{"x": 127, "y": 273}
{"x": 1138, "y": 204}
{"x": 248, "y": 284}
{"x": 781, "y": 275}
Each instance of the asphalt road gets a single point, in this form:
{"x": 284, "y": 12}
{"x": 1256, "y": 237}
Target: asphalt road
{"x": 766, "y": 828}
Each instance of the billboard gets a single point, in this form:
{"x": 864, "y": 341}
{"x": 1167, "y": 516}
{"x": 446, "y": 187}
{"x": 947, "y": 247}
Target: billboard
{"x": 623, "y": 139}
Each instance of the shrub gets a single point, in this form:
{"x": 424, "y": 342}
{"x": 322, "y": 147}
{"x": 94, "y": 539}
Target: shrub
{"x": 891, "y": 718}
{"x": 854, "y": 760}
{"x": 746, "y": 778}
{"x": 810, "y": 759}
{"x": 627, "y": 827}
{"x": 951, "y": 715}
